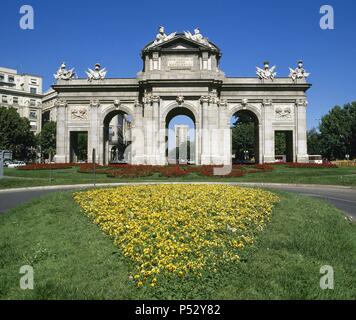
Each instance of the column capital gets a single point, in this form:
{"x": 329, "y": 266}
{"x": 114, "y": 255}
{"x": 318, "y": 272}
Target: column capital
{"x": 204, "y": 99}
{"x": 267, "y": 102}
{"x": 301, "y": 102}
{"x": 222, "y": 103}
{"x": 137, "y": 104}
{"x": 150, "y": 99}
{"x": 61, "y": 102}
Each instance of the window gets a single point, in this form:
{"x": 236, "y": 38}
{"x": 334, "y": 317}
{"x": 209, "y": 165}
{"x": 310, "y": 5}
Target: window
{"x": 2, "y": 77}
{"x": 33, "y": 90}
{"x": 11, "y": 79}
{"x": 33, "y": 125}
{"x": 4, "y": 99}
{"x": 15, "y": 100}
{"x": 33, "y": 81}
{"x": 32, "y": 102}
{"x": 33, "y": 114}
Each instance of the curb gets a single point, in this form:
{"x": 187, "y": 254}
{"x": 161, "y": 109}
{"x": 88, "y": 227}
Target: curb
{"x": 117, "y": 184}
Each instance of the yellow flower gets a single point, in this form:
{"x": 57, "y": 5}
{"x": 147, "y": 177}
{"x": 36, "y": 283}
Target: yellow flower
{"x": 178, "y": 228}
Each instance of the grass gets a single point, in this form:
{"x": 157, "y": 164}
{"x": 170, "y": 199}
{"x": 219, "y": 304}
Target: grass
{"x": 345, "y": 176}
{"x": 73, "y": 259}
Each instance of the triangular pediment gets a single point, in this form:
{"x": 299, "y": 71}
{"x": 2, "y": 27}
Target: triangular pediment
{"x": 179, "y": 43}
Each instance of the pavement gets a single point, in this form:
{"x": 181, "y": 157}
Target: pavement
{"x": 343, "y": 198}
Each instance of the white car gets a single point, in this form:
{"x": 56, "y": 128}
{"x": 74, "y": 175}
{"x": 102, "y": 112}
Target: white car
{"x": 16, "y": 164}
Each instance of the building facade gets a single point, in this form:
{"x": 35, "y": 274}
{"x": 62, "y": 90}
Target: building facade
{"x": 24, "y": 93}
{"x": 180, "y": 76}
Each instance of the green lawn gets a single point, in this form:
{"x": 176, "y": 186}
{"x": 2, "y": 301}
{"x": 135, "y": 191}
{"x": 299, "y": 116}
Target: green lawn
{"x": 334, "y": 176}
{"x": 73, "y": 259}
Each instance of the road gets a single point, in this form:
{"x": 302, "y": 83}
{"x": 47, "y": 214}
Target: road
{"x": 342, "y": 198}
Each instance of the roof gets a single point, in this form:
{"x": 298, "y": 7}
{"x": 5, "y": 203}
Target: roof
{"x": 181, "y": 38}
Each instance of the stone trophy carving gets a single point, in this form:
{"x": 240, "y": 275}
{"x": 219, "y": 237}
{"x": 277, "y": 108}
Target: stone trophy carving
{"x": 283, "y": 113}
{"x": 197, "y": 36}
{"x": 266, "y": 73}
{"x": 79, "y": 113}
{"x": 299, "y": 72}
{"x": 96, "y": 74}
{"x": 162, "y": 37}
{"x": 63, "y": 73}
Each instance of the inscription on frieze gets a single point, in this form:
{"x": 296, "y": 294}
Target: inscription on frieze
{"x": 180, "y": 63}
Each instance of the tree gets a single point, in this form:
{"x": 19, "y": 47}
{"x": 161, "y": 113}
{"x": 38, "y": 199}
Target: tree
{"x": 338, "y": 132}
{"x": 243, "y": 136}
{"x": 313, "y": 141}
{"x": 280, "y": 143}
{"x": 16, "y": 134}
{"x": 47, "y": 139}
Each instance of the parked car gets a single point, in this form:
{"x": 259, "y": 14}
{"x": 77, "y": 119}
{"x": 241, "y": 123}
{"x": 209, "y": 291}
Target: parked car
{"x": 7, "y": 162}
{"x": 16, "y": 164}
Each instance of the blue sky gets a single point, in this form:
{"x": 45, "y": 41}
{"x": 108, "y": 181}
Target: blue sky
{"x": 248, "y": 32}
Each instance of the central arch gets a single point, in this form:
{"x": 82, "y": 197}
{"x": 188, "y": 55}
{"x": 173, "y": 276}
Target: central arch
{"x": 245, "y": 142}
{"x": 183, "y": 150}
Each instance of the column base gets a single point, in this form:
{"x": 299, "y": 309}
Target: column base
{"x": 60, "y": 158}
{"x": 268, "y": 159}
{"x": 302, "y": 158}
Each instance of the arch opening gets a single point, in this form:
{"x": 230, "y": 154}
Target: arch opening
{"x": 245, "y": 137}
{"x": 180, "y": 136}
{"x": 117, "y": 137}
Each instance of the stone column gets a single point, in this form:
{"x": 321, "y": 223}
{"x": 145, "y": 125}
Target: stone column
{"x": 225, "y": 133}
{"x": 205, "y": 132}
{"x": 151, "y": 118}
{"x": 62, "y": 139}
{"x": 301, "y": 131}
{"x": 215, "y": 134}
{"x": 95, "y": 134}
{"x": 268, "y": 112}
{"x": 138, "y": 136}
{"x": 155, "y": 100}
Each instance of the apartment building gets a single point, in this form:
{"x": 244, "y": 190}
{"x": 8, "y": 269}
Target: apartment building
{"x": 24, "y": 93}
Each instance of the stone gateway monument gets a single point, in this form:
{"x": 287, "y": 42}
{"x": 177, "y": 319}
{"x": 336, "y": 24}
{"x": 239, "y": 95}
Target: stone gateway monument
{"x": 127, "y": 119}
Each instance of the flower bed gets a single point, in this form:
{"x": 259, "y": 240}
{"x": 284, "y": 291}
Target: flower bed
{"x": 311, "y": 165}
{"x": 178, "y": 229}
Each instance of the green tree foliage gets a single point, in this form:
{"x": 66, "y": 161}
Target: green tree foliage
{"x": 313, "y": 138}
{"x": 82, "y": 146}
{"x": 243, "y": 135}
{"x": 280, "y": 143}
{"x": 16, "y": 135}
{"x": 47, "y": 139}
{"x": 338, "y": 132}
